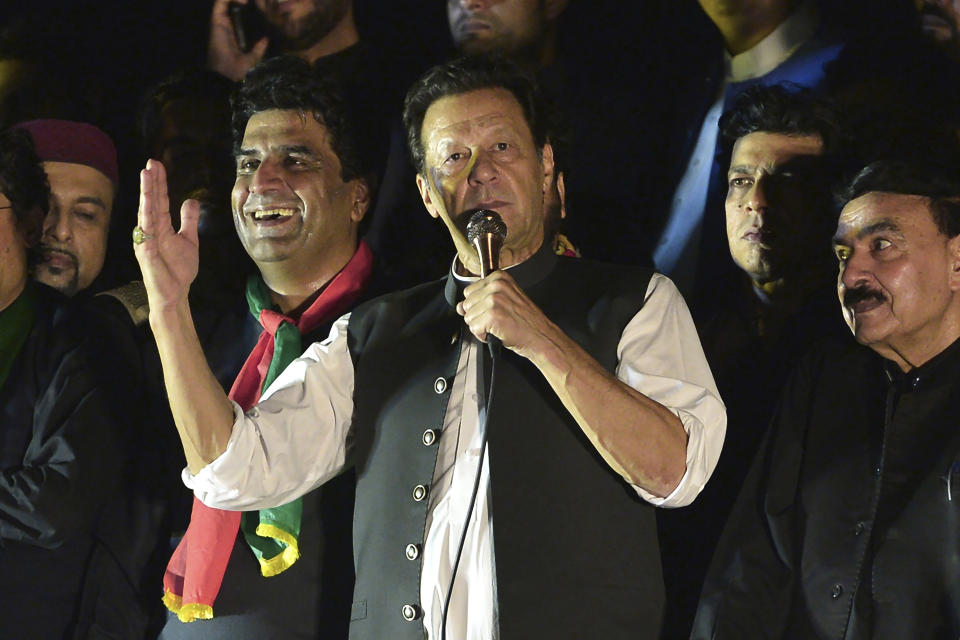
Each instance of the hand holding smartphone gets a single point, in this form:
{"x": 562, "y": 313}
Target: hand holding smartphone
{"x": 237, "y": 38}
{"x": 247, "y": 22}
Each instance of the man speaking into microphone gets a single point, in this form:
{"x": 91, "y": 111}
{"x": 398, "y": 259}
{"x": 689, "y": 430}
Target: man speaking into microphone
{"x": 511, "y": 506}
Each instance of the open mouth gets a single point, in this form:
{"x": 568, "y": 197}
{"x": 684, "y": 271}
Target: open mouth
{"x": 266, "y": 215}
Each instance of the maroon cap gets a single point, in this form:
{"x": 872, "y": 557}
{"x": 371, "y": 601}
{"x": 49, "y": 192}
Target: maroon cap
{"x": 76, "y": 142}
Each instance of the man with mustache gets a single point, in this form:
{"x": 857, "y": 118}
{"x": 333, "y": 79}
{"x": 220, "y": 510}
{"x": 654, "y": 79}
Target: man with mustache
{"x": 779, "y": 221}
{"x": 601, "y": 404}
{"x": 847, "y": 526}
{"x": 81, "y": 164}
{"x": 66, "y": 411}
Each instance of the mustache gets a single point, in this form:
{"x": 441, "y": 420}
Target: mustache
{"x": 854, "y": 296}
{"x": 46, "y": 250}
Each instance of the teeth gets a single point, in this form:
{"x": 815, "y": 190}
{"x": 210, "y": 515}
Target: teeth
{"x": 272, "y": 213}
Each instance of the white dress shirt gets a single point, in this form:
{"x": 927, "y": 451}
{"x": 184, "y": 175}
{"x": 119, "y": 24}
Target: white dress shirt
{"x": 676, "y": 253}
{"x": 296, "y": 439}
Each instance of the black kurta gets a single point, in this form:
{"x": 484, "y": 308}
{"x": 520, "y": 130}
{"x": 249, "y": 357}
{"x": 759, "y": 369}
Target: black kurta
{"x": 847, "y": 526}
{"x": 61, "y": 430}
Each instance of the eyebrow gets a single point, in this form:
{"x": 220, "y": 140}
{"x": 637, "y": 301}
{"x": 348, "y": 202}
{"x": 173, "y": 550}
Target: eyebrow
{"x": 287, "y": 148}
{"x": 882, "y": 225}
{"x": 94, "y": 200}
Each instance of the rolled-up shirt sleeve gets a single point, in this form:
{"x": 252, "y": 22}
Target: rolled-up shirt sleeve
{"x": 659, "y": 355}
{"x": 293, "y": 440}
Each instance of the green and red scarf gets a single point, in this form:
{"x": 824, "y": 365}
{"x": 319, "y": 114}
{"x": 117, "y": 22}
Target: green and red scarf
{"x": 196, "y": 569}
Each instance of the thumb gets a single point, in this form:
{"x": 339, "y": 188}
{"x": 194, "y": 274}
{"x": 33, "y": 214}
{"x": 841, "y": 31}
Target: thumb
{"x": 189, "y": 219}
{"x": 259, "y": 49}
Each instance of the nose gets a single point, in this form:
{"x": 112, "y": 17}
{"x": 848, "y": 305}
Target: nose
{"x": 855, "y": 271}
{"x": 756, "y": 198}
{"x": 484, "y": 170}
{"x": 266, "y": 177}
{"x": 57, "y": 226}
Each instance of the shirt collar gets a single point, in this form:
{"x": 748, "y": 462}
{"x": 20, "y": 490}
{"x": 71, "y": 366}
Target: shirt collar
{"x": 944, "y": 363}
{"x": 526, "y": 274}
{"x": 775, "y": 48}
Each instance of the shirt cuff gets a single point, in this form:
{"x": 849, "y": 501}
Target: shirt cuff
{"x": 698, "y": 469}
{"x": 206, "y": 484}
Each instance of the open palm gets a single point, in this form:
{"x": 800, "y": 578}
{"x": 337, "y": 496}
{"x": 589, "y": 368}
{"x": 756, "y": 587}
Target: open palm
{"x": 168, "y": 259}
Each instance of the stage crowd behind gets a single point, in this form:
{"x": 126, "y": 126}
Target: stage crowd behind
{"x": 784, "y": 454}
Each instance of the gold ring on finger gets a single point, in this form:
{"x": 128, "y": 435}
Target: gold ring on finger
{"x": 139, "y": 235}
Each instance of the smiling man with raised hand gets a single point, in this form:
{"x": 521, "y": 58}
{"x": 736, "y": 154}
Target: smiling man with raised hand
{"x": 302, "y": 189}
{"x": 602, "y": 407}
{"x": 847, "y": 526}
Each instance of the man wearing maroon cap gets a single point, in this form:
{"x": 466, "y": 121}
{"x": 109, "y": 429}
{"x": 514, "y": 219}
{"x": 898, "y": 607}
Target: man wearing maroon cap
{"x": 81, "y": 165}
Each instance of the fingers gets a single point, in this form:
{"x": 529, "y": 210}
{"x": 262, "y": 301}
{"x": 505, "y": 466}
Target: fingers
{"x": 153, "y": 214}
{"x": 489, "y": 304}
{"x": 259, "y": 50}
{"x": 189, "y": 219}
{"x": 220, "y": 15}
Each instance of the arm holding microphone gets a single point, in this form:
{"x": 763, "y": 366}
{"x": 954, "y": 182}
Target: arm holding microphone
{"x": 641, "y": 439}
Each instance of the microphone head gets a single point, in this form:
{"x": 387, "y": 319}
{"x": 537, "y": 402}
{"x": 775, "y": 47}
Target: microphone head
{"x": 483, "y": 222}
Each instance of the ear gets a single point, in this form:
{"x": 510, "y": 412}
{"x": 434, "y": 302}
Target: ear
{"x": 361, "y": 200}
{"x": 562, "y": 190}
{"x": 553, "y": 8}
{"x": 546, "y": 162}
{"x": 427, "y": 195}
{"x": 953, "y": 254}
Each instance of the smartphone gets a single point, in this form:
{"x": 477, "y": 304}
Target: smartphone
{"x": 247, "y": 24}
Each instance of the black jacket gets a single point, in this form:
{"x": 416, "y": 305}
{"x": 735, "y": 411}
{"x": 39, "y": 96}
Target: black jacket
{"x": 847, "y": 526}
{"x": 65, "y": 414}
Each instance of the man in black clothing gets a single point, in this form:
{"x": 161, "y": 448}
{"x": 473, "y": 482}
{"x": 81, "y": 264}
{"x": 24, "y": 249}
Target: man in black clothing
{"x": 63, "y": 421}
{"x": 847, "y": 523}
{"x": 779, "y": 214}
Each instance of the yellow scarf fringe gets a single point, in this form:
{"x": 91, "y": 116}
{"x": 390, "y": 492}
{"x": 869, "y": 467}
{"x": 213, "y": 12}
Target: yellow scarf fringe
{"x": 186, "y": 612}
{"x": 281, "y": 562}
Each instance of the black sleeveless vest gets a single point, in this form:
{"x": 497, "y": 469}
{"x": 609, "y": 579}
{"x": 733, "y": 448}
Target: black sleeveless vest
{"x": 576, "y": 551}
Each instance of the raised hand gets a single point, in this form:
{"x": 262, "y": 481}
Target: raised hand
{"x": 223, "y": 54}
{"x": 168, "y": 260}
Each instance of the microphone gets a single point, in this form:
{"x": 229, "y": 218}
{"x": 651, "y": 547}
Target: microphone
{"x": 486, "y": 232}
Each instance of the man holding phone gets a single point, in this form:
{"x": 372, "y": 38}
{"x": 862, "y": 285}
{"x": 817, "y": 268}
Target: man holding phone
{"x": 241, "y": 31}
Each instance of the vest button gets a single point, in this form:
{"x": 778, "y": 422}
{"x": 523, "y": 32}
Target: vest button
{"x": 429, "y": 437}
{"x": 858, "y": 528}
{"x": 837, "y": 591}
{"x": 419, "y": 492}
{"x": 440, "y": 385}
{"x": 412, "y": 551}
{"x": 410, "y": 612}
